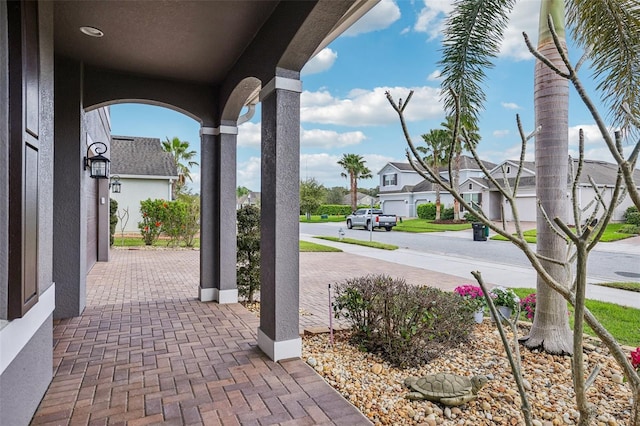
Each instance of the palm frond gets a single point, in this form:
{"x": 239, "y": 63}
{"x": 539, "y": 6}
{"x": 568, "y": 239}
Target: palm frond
{"x": 610, "y": 31}
{"x": 472, "y": 38}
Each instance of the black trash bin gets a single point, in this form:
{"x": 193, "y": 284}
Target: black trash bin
{"x": 479, "y": 232}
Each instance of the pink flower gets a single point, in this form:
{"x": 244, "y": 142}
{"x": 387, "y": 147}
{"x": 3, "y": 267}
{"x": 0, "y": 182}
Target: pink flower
{"x": 635, "y": 358}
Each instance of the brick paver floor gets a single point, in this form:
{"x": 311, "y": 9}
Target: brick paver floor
{"x": 146, "y": 351}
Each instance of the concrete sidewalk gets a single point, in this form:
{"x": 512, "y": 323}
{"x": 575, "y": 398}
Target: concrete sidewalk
{"x": 494, "y": 273}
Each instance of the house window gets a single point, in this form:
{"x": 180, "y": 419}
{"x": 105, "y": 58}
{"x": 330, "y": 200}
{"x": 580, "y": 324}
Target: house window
{"x": 470, "y": 186}
{"x": 390, "y": 180}
{"x": 508, "y": 169}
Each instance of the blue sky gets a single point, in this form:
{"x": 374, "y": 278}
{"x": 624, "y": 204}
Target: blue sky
{"x": 395, "y": 47}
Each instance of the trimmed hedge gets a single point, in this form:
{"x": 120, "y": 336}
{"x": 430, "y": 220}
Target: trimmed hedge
{"x": 334, "y": 209}
{"x": 427, "y": 211}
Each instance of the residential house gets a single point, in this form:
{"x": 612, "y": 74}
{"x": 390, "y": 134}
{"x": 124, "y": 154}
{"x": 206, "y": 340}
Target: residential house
{"x": 252, "y": 198}
{"x": 144, "y": 171}
{"x": 53, "y": 93}
{"x": 475, "y": 187}
{"x": 602, "y": 173}
{"x": 363, "y": 199}
{"x": 402, "y": 189}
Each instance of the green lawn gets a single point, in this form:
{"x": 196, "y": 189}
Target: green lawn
{"x": 319, "y": 219}
{"x": 373, "y": 244}
{"x": 621, "y": 321}
{"x": 306, "y": 246}
{"x": 610, "y": 234}
{"x": 423, "y": 225}
{"x": 629, "y": 286}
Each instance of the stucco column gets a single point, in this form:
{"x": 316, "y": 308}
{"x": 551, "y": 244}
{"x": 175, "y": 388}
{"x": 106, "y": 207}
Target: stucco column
{"x": 69, "y": 200}
{"x": 228, "y": 288}
{"x": 278, "y": 335}
{"x": 209, "y": 255}
{"x": 218, "y": 214}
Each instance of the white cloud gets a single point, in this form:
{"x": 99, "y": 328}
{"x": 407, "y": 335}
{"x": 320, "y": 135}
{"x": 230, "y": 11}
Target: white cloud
{"x": 321, "y": 62}
{"x": 500, "y": 133}
{"x": 524, "y": 17}
{"x": 381, "y": 16}
{"x": 249, "y": 135}
{"x": 248, "y": 174}
{"x": 510, "y": 105}
{"x": 325, "y": 169}
{"x": 369, "y": 107}
{"x": 328, "y": 139}
{"x": 591, "y": 132}
{"x": 435, "y": 76}
{"x": 431, "y": 18}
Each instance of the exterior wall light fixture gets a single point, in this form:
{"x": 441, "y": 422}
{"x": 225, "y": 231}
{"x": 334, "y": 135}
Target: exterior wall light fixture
{"x": 98, "y": 164}
{"x": 115, "y": 184}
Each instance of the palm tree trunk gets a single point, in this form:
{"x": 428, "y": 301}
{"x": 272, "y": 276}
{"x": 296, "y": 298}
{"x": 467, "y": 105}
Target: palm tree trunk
{"x": 354, "y": 192}
{"x": 550, "y": 330}
{"x": 456, "y": 185}
{"x": 437, "y": 202}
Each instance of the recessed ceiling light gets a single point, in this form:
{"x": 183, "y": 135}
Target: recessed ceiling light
{"x": 91, "y": 31}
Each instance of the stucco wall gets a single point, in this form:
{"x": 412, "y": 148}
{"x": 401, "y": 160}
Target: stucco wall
{"x": 26, "y": 344}
{"x": 133, "y": 191}
{"x": 4, "y": 161}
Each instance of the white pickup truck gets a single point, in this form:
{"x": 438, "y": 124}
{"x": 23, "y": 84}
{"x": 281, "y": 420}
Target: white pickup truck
{"x": 371, "y": 219}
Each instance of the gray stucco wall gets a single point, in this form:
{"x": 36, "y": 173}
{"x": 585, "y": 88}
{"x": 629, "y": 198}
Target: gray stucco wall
{"x": 26, "y": 379}
{"x": 4, "y": 160}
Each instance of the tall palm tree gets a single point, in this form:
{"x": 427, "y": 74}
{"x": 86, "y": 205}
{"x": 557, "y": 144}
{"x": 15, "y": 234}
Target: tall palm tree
{"x": 436, "y": 153}
{"x": 183, "y": 159}
{"x": 355, "y": 169}
{"x": 610, "y": 31}
{"x": 467, "y": 141}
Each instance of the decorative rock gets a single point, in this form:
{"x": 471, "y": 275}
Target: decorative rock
{"x": 312, "y": 361}
{"x": 536, "y": 422}
{"x": 447, "y": 412}
{"x": 486, "y": 406}
{"x": 612, "y": 422}
{"x": 526, "y": 384}
{"x": 617, "y": 378}
{"x": 377, "y": 368}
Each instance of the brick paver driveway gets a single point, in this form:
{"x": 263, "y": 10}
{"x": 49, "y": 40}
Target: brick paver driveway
{"x": 146, "y": 351}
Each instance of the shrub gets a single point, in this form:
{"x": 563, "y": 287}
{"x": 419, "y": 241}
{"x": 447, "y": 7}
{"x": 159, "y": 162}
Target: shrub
{"x": 113, "y": 219}
{"x": 174, "y": 221}
{"x": 629, "y": 229}
{"x": 446, "y": 213}
{"x": 406, "y": 324}
{"x": 334, "y": 209}
{"x": 630, "y": 210}
{"x": 528, "y": 305}
{"x": 153, "y": 215}
{"x": 633, "y": 218}
{"x": 426, "y": 211}
{"x": 191, "y": 225}
{"x": 470, "y": 217}
{"x": 248, "y": 249}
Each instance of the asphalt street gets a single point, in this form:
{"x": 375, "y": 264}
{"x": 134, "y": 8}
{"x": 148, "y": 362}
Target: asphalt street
{"x": 500, "y": 262}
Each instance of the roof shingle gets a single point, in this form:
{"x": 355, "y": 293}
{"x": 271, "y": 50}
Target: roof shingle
{"x": 132, "y": 155}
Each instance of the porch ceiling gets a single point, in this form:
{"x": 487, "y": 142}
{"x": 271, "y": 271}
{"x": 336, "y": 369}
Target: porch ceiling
{"x": 197, "y": 41}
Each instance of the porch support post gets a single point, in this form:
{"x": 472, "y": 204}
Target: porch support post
{"x": 278, "y": 334}
{"x": 228, "y": 287}
{"x": 218, "y": 214}
{"x": 209, "y": 215}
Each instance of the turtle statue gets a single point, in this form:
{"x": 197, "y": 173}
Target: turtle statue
{"x": 445, "y": 388}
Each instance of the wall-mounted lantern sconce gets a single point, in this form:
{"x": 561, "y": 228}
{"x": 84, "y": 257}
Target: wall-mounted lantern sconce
{"x": 98, "y": 164}
{"x": 115, "y": 184}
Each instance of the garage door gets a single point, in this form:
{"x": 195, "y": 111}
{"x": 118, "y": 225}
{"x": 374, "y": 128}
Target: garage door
{"x": 92, "y": 223}
{"x": 527, "y": 209}
{"x": 398, "y": 208}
